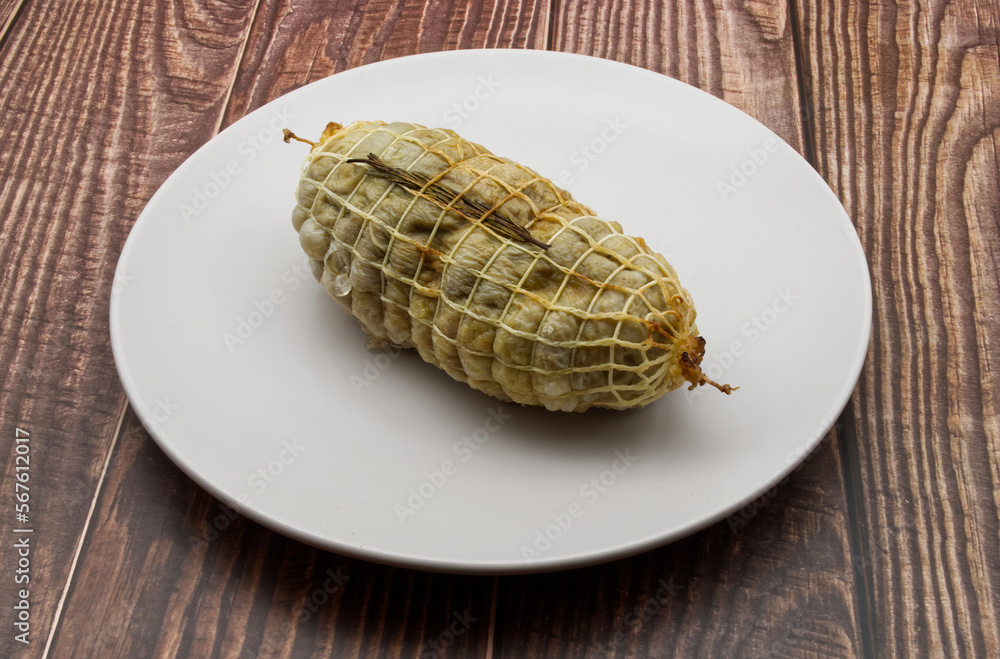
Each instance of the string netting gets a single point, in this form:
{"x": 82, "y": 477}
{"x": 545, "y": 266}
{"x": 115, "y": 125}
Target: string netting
{"x": 597, "y": 319}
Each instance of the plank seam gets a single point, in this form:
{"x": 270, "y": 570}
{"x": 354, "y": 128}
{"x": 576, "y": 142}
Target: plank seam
{"x": 224, "y": 108}
{"x": 56, "y": 619}
{"x": 847, "y": 432}
{"x": 804, "y": 87}
{"x": 491, "y": 631}
{"x": 857, "y": 520}
{"x": 14, "y": 15}
{"x": 550, "y": 25}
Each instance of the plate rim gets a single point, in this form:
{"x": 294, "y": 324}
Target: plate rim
{"x": 574, "y": 560}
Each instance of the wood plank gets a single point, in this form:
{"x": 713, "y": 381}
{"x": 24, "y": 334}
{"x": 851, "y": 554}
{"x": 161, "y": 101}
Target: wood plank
{"x": 907, "y": 117}
{"x": 170, "y": 571}
{"x": 776, "y": 579}
{"x": 293, "y": 44}
{"x": 8, "y": 14}
{"x": 773, "y": 580}
{"x": 88, "y": 90}
{"x": 243, "y": 594}
{"x": 740, "y": 52}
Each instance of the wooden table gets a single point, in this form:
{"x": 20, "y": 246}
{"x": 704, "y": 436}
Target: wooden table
{"x": 884, "y": 543}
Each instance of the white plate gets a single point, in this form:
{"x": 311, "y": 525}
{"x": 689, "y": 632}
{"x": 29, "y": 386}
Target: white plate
{"x": 260, "y": 388}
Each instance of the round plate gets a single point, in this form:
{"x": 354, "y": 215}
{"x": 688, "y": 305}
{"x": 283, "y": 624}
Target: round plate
{"x": 260, "y": 387}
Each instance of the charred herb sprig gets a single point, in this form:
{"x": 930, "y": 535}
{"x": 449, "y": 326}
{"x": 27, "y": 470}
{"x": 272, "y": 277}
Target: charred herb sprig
{"x": 474, "y": 210}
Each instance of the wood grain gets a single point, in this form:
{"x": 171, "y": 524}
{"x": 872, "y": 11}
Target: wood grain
{"x": 99, "y": 101}
{"x": 742, "y": 52}
{"x": 883, "y": 543}
{"x": 773, "y": 580}
{"x": 907, "y": 118}
{"x": 770, "y": 581}
{"x": 8, "y": 12}
{"x": 246, "y": 591}
{"x": 294, "y": 42}
{"x": 169, "y": 571}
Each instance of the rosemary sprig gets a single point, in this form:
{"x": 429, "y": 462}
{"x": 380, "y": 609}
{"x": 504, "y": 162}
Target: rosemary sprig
{"x": 474, "y": 210}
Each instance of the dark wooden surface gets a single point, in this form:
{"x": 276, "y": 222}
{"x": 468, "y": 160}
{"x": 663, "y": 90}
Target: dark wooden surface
{"x": 884, "y": 543}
